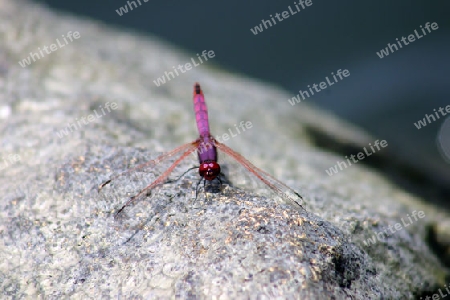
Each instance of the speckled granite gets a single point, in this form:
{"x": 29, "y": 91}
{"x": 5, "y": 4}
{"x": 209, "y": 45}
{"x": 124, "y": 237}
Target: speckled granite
{"x": 60, "y": 239}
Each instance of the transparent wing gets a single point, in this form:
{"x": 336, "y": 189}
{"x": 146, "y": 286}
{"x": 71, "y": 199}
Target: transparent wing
{"x": 274, "y": 184}
{"x": 162, "y": 178}
{"x": 159, "y": 159}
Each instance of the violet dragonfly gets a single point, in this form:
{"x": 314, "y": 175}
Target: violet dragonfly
{"x": 209, "y": 170}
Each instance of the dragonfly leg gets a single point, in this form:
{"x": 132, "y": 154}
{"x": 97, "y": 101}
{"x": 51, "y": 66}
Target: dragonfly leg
{"x": 196, "y": 189}
{"x": 179, "y": 177}
{"x": 220, "y": 183}
{"x": 204, "y": 189}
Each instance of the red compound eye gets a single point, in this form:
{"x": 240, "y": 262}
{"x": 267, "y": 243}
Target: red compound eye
{"x": 209, "y": 170}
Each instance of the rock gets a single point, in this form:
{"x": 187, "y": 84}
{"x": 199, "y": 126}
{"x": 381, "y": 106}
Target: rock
{"x": 90, "y": 109}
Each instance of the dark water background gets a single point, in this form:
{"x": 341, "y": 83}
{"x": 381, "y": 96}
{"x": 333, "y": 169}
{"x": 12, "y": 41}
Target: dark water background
{"x": 384, "y": 96}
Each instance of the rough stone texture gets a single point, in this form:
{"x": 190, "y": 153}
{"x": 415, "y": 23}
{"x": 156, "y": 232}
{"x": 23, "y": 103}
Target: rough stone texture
{"x": 59, "y": 236}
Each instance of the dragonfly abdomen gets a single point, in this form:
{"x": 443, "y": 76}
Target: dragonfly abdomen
{"x": 201, "y": 111}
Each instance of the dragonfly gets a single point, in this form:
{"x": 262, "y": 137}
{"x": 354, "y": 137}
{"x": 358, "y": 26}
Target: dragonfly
{"x": 209, "y": 169}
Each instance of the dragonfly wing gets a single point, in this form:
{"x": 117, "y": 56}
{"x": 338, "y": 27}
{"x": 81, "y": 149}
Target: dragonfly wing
{"x": 277, "y": 186}
{"x": 162, "y": 178}
{"x": 159, "y": 159}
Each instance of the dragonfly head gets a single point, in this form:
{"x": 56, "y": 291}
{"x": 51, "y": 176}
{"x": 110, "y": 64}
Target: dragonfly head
{"x": 209, "y": 170}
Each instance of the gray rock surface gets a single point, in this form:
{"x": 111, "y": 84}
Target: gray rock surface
{"x": 59, "y": 235}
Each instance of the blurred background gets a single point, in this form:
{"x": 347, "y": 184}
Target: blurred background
{"x": 385, "y": 96}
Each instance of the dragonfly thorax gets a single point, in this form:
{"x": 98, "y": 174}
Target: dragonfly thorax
{"x": 209, "y": 170}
